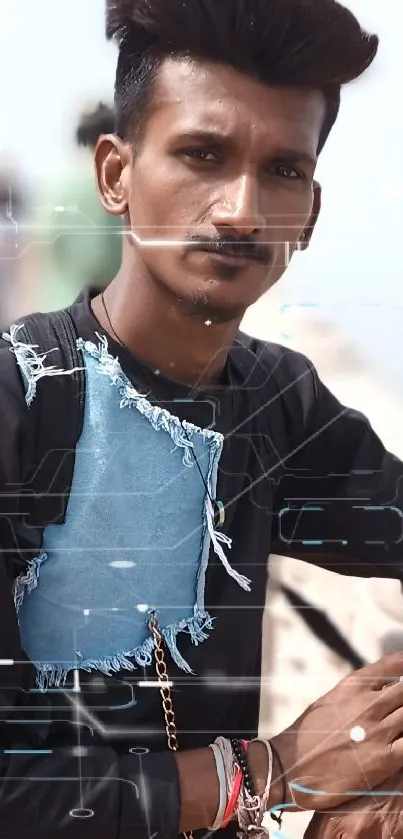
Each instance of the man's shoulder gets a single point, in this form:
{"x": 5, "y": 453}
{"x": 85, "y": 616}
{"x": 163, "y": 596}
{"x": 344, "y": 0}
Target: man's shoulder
{"x": 14, "y": 341}
{"x": 284, "y": 379}
{"x": 279, "y": 361}
{"x": 14, "y": 413}
{"x": 35, "y": 345}
{"x": 10, "y": 378}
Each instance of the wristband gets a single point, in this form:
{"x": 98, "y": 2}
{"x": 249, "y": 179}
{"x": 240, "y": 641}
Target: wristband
{"x": 233, "y": 799}
{"x": 223, "y": 787}
{"x": 280, "y": 767}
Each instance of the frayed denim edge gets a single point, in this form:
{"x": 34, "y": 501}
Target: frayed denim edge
{"x": 28, "y": 580}
{"x": 31, "y": 363}
{"x": 54, "y": 674}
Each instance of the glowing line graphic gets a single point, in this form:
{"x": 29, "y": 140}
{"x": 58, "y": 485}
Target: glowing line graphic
{"x": 353, "y": 793}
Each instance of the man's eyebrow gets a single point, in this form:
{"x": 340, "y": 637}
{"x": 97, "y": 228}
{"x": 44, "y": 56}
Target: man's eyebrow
{"x": 204, "y": 135}
{"x": 218, "y": 136}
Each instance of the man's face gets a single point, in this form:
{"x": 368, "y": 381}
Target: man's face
{"x": 223, "y": 184}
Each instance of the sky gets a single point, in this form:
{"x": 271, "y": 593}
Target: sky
{"x": 54, "y": 60}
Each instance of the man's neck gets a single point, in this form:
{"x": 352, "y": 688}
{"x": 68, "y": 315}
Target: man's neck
{"x": 184, "y": 348}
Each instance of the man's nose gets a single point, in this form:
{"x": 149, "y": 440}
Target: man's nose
{"x": 238, "y": 207}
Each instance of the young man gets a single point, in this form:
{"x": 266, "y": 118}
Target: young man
{"x": 199, "y": 451}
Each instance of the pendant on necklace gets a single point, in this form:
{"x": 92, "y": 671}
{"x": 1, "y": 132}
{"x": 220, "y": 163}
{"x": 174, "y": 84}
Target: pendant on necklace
{"x": 219, "y": 513}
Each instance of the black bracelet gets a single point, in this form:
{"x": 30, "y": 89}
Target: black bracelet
{"x": 280, "y": 767}
{"x": 241, "y": 757}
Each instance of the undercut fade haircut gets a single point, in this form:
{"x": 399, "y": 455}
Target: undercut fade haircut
{"x": 315, "y": 44}
{"x": 101, "y": 120}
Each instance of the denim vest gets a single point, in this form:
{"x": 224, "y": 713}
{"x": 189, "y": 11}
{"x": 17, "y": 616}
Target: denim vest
{"x": 137, "y": 536}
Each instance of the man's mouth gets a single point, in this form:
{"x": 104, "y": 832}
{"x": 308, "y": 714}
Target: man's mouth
{"x": 233, "y": 252}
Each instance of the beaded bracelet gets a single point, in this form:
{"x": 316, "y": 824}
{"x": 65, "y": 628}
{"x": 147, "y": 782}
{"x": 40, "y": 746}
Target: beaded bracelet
{"x": 242, "y": 800}
{"x": 234, "y": 779}
{"x": 239, "y": 748}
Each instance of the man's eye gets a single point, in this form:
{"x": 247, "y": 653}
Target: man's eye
{"x": 288, "y": 172}
{"x": 200, "y": 154}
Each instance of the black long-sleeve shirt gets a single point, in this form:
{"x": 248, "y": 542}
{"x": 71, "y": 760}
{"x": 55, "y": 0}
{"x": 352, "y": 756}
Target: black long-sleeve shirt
{"x": 300, "y": 474}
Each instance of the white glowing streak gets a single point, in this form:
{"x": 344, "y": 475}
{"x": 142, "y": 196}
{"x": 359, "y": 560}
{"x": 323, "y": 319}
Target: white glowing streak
{"x": 174, "y": 243}
{"x": 160, "y": 243}
{"x": 77, "y": 686}
{"x": 77, "y": 720}
{"x": 83, "y": 712}
{"x": 9, "y": 210}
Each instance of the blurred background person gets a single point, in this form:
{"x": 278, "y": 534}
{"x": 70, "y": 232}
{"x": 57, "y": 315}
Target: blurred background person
{"x": 13, "y": 202}
{"x": 75, "y": 238}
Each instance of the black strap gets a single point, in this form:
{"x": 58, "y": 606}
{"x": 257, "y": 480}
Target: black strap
{"x": 57, "y": 412}
{"x": 56, "y": 419}
{"x": 323, "y": 628}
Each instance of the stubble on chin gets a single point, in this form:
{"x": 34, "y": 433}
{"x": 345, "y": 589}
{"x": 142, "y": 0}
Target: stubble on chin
{"x": 199, "y": 306}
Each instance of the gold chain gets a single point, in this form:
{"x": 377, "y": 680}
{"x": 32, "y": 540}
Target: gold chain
{"x": 165, "y": 691}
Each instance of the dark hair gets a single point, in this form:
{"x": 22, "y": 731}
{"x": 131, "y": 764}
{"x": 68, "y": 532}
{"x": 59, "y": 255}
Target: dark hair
{"x": 93, "y": 124}
{"x": 308, "y": 43}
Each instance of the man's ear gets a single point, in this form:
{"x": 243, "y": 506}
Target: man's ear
{"x": 112, "y": 160}
{"x": 306, "y": 235}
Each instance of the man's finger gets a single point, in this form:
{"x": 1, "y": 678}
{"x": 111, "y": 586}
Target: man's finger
{"x": 391, "y": 699}
{"x": 380, "y": 673}
{"x": 364, "y": 825}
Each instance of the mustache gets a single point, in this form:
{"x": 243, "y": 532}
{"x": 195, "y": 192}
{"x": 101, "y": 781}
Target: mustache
{"x": 228, "y": 245}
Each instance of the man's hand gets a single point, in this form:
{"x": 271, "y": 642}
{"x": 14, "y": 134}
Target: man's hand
{"x": 324, "y": 758}
{"x": 377, "y": 816}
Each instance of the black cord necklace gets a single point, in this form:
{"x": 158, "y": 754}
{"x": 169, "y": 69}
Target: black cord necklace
{"x": 218, "y": 506}
{"x": 111, "y": 326}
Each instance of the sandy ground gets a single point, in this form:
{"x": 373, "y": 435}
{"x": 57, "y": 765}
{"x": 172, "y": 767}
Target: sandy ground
{"x": 296, "y": 668}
